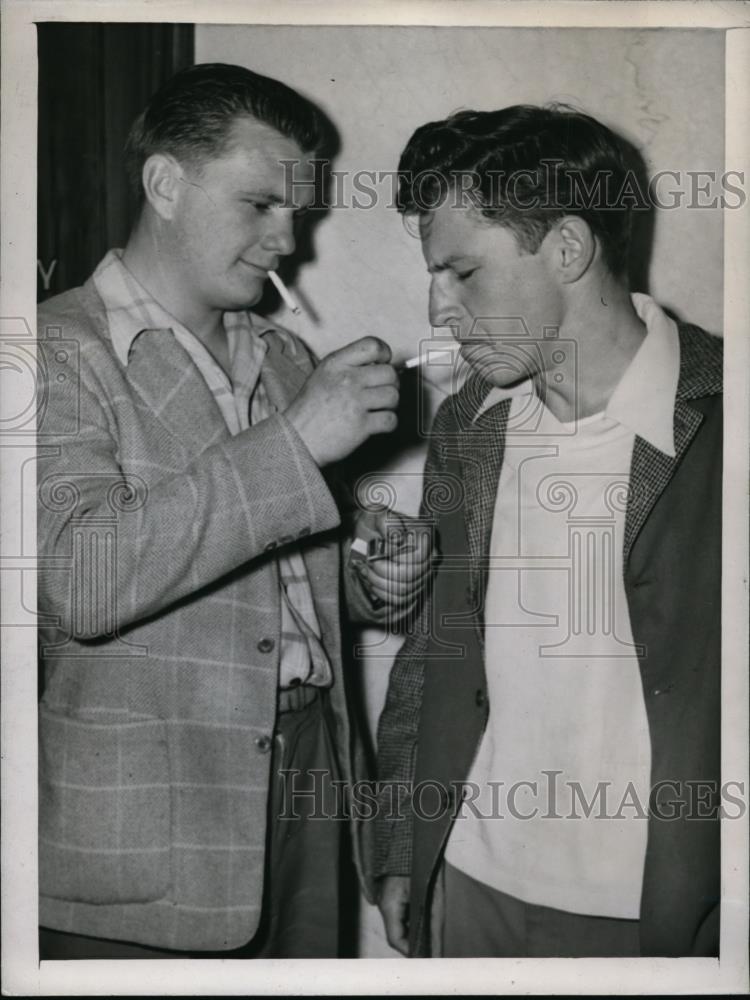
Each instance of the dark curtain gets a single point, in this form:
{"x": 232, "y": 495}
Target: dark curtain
{"x": 94, "y": 79}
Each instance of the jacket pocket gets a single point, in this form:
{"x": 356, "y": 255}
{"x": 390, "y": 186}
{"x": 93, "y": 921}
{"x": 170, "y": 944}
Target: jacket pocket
{"x": 104, "y": 809}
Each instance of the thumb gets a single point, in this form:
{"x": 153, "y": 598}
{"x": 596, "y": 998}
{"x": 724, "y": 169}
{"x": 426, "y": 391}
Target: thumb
{"x": 365, "y": 351}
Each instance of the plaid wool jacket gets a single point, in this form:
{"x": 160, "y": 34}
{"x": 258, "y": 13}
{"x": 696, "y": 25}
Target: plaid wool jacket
{"x": 436, "y": 707}
{"x": 159, "y": 595}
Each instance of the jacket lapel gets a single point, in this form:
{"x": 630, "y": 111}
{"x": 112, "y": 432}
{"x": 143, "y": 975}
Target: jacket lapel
{"x": 701, "y": 364}
{"x": 164, "y": 376}
{"x": 651, "y": 470}
{"x": 282, "y": 378}
{"x": 162, "y": 373}
{"x": 482, "y": 449}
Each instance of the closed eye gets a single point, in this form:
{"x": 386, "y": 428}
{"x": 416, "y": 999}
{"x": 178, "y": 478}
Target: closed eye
{"x": 463, "y": 275}
{"x": 259, "y": 206}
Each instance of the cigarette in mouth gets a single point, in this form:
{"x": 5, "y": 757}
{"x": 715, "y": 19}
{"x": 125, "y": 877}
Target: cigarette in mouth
{"x": 284, "y": 292}
{"x": 428, "y": 357}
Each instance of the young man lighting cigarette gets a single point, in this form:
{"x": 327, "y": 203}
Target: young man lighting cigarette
{"x": 190, "y": 549}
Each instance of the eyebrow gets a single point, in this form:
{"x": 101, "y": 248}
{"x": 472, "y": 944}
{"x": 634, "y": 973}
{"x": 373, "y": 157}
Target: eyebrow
{"x": 266, "y": 195}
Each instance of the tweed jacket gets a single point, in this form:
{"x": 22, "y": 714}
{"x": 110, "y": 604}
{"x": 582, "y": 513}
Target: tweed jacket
{"x": 160, "y": 600}
{"x": 437, "y": 707}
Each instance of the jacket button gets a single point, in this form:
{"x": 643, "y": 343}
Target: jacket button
{"x": 263, "y": 743}
{"x": 266, "y": 645}
{"x": 480, "y": 698}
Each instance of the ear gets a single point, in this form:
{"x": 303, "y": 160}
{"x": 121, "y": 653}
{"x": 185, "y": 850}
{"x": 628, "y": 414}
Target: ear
{"x": 161, "y": 183}
{"x": 573, "y": 248}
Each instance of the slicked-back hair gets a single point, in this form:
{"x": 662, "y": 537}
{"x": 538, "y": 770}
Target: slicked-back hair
{"x": 525, "y": 167}
{"x": 191, "y": 117}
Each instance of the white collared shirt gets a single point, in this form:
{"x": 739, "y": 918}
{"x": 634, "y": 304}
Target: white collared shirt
{"x": 567, "y": 711}
{"x": 644, "y": 398}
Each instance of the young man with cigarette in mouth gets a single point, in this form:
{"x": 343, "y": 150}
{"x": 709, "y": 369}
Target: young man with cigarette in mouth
{"x": 190, "y": 548}
{"x": 557, "y": 707}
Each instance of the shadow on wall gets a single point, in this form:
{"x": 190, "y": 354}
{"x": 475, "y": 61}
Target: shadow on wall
{"x": 642, "y": 233}
{"x": 307, "y": 227}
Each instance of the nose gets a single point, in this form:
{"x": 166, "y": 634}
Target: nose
{"x": 444, "y": 310}
{"x": 279, "y": 236}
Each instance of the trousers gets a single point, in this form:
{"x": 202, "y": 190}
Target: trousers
{"x": 304, "y": 854}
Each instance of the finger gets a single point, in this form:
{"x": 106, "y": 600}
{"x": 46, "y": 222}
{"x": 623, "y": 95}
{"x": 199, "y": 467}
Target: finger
{"x": 394, "y": 594}
{"x": 366, "y": 351}
{"x": 395, "y": 524}
{"x": 381, "y": 421}
{"x": 405, "y": 571}
{"x": 373, "y": 593}
{"x": 391, "y": 588}
{"x": 384, "y": 397}
{"x": 377, "y": 519}
{"x": 391, "y": 592}
{"x": 410, "y": 549}
{"x": 400, "y": 942}
{"x": 424, "y": 542}
{"x": 404, "y": 556}
{"x": 395, "y": 930}
{"x": 371, "y": 376}
{"x": 388, "y": 590}
{"x": 407, "y": 543}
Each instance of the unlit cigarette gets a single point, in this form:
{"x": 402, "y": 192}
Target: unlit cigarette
{"x": 284, "y": 292}
{"x": 427, "y": 357}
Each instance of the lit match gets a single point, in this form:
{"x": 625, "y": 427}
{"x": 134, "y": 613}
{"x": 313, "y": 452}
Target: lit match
{"x": 285, "y": 294}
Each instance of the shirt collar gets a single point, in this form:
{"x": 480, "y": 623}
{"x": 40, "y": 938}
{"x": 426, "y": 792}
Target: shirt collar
{"x": 131, "y": 310}
{"x": 497, "y": 394}
{"x": 645, "y": 396}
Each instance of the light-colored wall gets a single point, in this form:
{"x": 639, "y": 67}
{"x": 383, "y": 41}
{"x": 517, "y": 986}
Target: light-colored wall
{"x": 662, "y": 89}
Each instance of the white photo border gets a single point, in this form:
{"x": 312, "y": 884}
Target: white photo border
{"x": 22, "y": 972}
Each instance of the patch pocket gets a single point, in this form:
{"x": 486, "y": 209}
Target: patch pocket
{"x": 104, "y": 809}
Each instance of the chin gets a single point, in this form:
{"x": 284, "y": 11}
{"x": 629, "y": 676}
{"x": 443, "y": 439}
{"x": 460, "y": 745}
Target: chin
{"x": 499, "y": 370}
{"x": 243, "y": 298}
